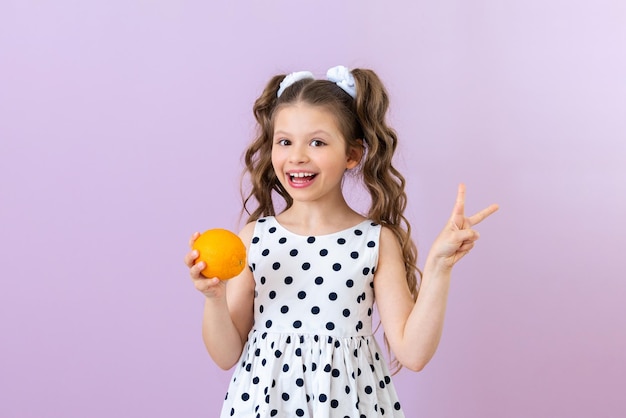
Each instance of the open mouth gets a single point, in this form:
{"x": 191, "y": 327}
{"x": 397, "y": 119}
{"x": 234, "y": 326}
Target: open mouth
{"x": 300, "y": 179}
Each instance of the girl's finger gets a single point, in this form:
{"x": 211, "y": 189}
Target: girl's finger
{"x": 205, "y": 284}
{"x": 193, "y": 238}
{"x": 190, "y": 258}
{"x": 480, "y": 216}
{"x": 459, "y": 206}
{"x": 463, "y": 236}
{"x": 466, "y": 247}
{"x": 196, "y": 270}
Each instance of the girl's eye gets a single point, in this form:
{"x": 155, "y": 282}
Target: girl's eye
{"x": 283, "y": 142}
{"x": 317, "y": 143}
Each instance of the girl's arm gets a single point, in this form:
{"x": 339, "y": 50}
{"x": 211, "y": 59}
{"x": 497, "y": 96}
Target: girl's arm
{"x": 414, "y": 329}
{"x": 228, "y": 308}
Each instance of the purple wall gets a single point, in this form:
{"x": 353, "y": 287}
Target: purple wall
{"x": 122, "y": 125}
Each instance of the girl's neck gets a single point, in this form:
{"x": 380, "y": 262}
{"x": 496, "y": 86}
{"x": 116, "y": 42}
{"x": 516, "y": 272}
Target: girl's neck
{"x": 311, "y": 219}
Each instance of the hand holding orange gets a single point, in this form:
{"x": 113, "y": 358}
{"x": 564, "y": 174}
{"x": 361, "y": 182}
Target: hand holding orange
{"x": 222, "y": 251}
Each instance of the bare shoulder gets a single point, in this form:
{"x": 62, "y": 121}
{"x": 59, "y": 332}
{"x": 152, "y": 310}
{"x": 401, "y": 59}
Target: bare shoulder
{"x": 246, "y": 233}
{"x": 389, "y": 244}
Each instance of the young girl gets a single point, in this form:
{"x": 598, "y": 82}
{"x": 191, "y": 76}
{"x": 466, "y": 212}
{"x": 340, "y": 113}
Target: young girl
{"x": 298, "y": 322}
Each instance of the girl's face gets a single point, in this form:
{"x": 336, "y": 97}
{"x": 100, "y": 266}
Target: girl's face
{"x": 309, "y": 153}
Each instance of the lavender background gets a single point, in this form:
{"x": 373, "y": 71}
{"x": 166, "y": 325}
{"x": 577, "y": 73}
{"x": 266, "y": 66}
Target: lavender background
{"x": 122, "y": 125}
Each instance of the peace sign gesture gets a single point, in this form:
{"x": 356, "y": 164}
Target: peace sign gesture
{"x": 458, "y": 237}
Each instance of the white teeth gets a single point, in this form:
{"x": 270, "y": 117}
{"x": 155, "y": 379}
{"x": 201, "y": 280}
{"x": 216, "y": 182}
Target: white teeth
{"x": 301, "y": 174}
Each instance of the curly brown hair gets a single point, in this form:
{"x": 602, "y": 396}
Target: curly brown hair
{"x": 362, "y": 122}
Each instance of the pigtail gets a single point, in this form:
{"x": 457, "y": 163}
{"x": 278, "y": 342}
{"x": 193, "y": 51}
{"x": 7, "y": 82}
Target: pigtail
{"x": 258, "y": 160}
{"x": 385, "y": 183}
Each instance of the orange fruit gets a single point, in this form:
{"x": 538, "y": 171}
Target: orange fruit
{"x": 223, "y": 253}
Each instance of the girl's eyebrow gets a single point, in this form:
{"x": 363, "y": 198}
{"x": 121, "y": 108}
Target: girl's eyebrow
{"x": 314, "y": 133}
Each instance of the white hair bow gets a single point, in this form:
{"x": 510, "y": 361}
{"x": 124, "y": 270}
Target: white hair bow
{"x": 292, "y": 78}
{"x": 339, "y": 75}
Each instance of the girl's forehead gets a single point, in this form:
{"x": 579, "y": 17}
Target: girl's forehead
{"x": 300, "y": 112}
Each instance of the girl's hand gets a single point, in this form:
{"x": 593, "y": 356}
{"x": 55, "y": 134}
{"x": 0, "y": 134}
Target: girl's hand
{"x": 458, "y": 237}
{"x": 209, "y": 287}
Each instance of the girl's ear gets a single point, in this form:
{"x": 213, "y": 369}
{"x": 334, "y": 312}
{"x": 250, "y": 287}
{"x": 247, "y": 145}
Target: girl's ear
{"x": 355, "y": 154}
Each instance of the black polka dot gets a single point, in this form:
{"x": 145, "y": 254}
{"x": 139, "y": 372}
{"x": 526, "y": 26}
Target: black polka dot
{"x": 300, "y": 412}
{"x": 349, "y": 283}
{"x": 268, "y": 323}
{"x": 330, "y": 326}
{"x": 315, "y": 310}
{"x": 346, "y": 312}
{"x": 354, "y": 255}
{"x": 288, "y": 280}
{"x": 285, "y": 396}
{"x": 319, "y": 280}
{"x": 276, "y": 265}
{"x": 332, "y": 296}
{"x": 323, "y": 252}
{"x": 297, "y": 324}
{"x": 301, "y": 294}
{"x": 265, "y": 252}
{"x": 336, "y": 266}
{"x": 286, "y": 369}
{"x": 396, "y": 406}
{"x": 366, "y": 271}
{"x": 284, "y": 309}
{"x": 371, "y": 244}
{"x": 299, "y": 382}
{"x": 310, "y": 240}
{"x": 282, "y": 240}
{"x": 262, "y": 279}
{"x": 341, "y": 241}
{"x": 322, "y": 397}
{"x": 272, "y": 230}
{"x": 293, "y": 252}
{"x": 306, "y": 266}
{"x": 334, "y": 403}
{"x": 245, "y": 396}
{"x": 368, "y": 389}
{"x": 272, "y": 294}
{"x": 255, "y": 240}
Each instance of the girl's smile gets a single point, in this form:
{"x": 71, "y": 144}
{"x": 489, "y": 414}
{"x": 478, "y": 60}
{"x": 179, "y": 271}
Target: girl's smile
{"x": 300, "y": 179}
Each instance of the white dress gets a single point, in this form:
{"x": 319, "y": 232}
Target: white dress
{"x": 311, "y": 352}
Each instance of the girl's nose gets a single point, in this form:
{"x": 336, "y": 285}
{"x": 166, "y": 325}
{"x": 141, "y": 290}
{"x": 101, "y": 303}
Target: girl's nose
{"x": 298, "y": 154}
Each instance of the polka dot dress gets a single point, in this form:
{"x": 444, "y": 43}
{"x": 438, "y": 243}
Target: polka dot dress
{"x": 311, "y": 352}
